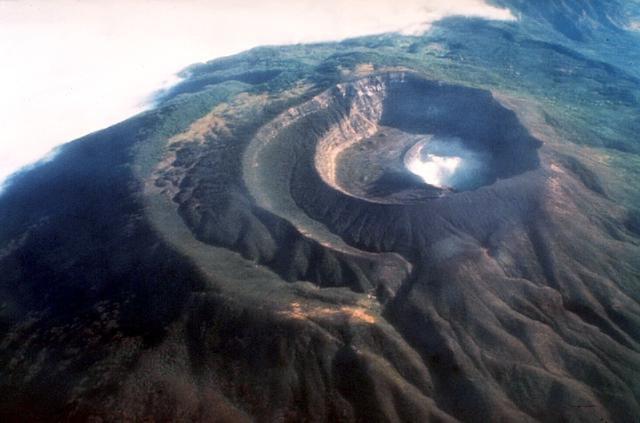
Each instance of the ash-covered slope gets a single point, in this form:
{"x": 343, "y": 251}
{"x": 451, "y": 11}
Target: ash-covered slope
{"x": 257, "y": 249}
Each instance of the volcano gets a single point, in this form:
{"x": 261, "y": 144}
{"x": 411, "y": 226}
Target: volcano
{"x": 391, "y": 228}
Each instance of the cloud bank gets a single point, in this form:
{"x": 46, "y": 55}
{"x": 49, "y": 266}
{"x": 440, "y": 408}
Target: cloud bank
{"x": 69, "y": 68}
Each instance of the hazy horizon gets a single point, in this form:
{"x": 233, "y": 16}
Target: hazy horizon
{"x": 70, "y": 68}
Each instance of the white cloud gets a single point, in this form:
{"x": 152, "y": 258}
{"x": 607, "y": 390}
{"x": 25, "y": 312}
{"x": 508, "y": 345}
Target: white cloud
{"x": 436, "y": 170}
{"x": 68, "y": 68}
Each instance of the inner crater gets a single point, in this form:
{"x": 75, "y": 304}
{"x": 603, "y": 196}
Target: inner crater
{"x": 343, "y": 164}
{"x": 406, "y": 139}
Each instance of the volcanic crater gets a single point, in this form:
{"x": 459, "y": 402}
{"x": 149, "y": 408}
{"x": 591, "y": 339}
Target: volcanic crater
{"x": 453, "y": 138}
{"x": 433, "y": 228}
{"x": 357, "y": 159}
{"x": 429, "y": 209}
{"x": 378, "y": 248}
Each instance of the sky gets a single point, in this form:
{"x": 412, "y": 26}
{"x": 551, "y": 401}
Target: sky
{"x": 69, "y": 68}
